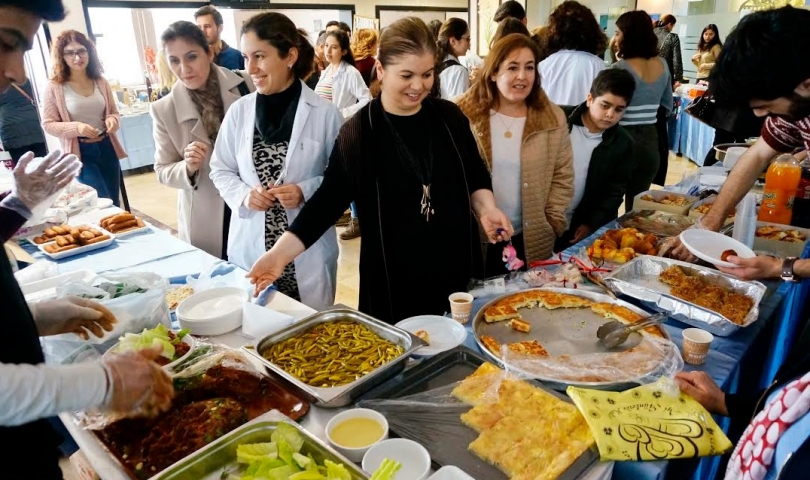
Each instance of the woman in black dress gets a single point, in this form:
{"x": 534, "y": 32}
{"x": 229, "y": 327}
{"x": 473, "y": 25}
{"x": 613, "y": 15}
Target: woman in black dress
{"x": 412, "y": 165}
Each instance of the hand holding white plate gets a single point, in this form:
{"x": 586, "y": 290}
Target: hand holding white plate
{"x": 445, "y": 333}
{"x": 709, "y": 246}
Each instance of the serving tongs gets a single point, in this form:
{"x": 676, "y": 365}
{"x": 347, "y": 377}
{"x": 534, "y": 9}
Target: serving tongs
{"x": 614, "y": 333}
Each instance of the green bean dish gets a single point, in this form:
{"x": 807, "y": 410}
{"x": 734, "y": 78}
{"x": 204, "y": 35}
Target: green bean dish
{"x": 331, "y": 354}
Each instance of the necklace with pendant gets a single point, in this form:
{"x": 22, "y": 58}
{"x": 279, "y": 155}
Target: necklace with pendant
{"x": 508, "y": 132}
{"x": 422, "y": 167}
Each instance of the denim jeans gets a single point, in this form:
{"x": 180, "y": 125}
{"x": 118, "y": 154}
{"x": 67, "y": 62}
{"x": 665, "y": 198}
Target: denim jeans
{"x": 100, "y": 169}
{"x": 353, "y": 207}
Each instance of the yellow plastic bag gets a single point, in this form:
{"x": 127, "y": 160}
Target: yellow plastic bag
{"x": 650, "y": 422}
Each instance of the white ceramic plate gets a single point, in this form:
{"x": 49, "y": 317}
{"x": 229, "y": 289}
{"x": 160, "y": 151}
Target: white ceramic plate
{"x": 450, "y": 473}
{"x": 414, "y": 458}
{"x": 80, "y": 250}
{"x": 445, "y": 333}
{"x": 709, "y": 246}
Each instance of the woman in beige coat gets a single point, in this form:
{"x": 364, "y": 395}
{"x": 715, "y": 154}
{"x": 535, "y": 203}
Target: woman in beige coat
{"x": 523, "y": 139}
{"x": 186, "y": 123}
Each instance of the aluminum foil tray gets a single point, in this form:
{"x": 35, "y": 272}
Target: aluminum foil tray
{"x": 210, "y": 462}
{"x": 344, "y": 394}
{"x": 639, "y": 279}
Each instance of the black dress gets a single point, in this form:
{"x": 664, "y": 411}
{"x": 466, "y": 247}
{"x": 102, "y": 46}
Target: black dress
{"x": 408, "y": 265}
{"x": 275, "y": 115}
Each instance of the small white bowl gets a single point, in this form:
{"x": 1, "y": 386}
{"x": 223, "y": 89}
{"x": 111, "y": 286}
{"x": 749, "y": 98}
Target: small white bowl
{"x": 355, "y": 454}
{"x": 221, "y": 313}
{"x": 414, "y": 458}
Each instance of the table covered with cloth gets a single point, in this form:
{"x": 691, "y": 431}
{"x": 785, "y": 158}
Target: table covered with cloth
{"x": 757, "y": 350}
{"x": 688, "y": 136}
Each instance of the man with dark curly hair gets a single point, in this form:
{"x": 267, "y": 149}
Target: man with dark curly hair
{"x": 574, "y": 38}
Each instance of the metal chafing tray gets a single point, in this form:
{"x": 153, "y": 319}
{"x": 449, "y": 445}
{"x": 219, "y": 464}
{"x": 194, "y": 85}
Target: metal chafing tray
{"x": 562, "y": 331}
{"x": 639, "y": 279}
{"x": 448, "y": 445}
{"x": 344, "y": 394}
{"x": 209, "y": 462}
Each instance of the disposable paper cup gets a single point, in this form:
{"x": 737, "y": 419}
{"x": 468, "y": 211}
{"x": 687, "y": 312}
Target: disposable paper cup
{"x": 696, "y": 345}
{"x": 461, "y": 306}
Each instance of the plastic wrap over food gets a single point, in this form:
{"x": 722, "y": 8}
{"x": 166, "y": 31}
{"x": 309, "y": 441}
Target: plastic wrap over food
{"x": 644, "y": 363}
{"x": 492, "y": 423}
{"x": 203, "y": 357}
{"x": 639, "y": 279}
{"x": 650, "y": 422}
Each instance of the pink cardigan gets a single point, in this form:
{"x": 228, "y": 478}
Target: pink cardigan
{"x": 56, "y": 120}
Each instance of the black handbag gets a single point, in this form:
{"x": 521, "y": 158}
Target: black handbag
{"x": 726, "y": 118}
{"x": 703, "y": 109}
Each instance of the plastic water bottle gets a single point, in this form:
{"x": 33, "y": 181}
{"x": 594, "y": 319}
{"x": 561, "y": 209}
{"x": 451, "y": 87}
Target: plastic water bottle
{"x": 781, "y": 182}
{"x": 745, "y": 222}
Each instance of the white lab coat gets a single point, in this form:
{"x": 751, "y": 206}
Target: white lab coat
{"x": 455, "y": 80}
{"x": 316, "y": 126}
{"x": 567, "y": 75}
{"x": 349, "y": 90}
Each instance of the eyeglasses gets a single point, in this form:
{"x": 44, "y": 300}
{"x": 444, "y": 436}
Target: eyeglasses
{"x": 75, "y": 53}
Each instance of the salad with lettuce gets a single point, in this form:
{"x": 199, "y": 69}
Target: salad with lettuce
{"x": 281, "y": 459}
{"x": 172, "y": 343}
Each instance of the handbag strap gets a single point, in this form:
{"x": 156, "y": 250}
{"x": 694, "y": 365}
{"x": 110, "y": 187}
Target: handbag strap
{"x": 24, "y": 94}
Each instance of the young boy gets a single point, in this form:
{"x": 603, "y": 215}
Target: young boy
{"x": 602, "y": 153}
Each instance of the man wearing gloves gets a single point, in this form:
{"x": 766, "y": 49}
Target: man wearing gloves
{"x": 29, "y": 390}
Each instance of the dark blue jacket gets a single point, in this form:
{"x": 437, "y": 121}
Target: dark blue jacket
{"x": 230, "y": 58}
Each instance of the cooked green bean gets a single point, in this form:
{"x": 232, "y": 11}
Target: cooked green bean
{"x": 331, "y": 354}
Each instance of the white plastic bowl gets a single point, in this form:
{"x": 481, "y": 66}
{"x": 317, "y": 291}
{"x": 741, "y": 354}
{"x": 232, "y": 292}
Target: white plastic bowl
{"x": 414, "y": 458}
{"x": 355, "y": 454}
{"x": 188, "y": 340}
{"x": 221, "y": 313}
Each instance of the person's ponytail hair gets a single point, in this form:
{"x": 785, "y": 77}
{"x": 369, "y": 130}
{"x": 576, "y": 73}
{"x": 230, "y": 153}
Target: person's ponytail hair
{"x": 280, "y": 32}
{"x": 452, "y": 28}
{"x": 667, "y": 19}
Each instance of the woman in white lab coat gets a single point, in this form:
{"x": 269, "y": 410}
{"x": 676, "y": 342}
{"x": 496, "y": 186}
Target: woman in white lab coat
{"x": 454, "y": 41}
{"x": 270, "y": 155}
{"x": 341, "y": 83}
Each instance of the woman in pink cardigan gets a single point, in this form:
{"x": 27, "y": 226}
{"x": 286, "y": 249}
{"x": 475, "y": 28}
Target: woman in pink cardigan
{"x": 80, "y": 110}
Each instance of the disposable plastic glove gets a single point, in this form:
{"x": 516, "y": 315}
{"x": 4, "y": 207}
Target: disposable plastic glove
{"x": 54, "y": 173}
{"x": 72, "y": 314}
{"x": 138, "y": 386}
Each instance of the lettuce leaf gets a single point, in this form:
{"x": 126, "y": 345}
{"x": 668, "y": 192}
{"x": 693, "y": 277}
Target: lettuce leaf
{"x": 253, "y": 452}
{"x": 336, "y": 471}
{"x": 148, "y": 338}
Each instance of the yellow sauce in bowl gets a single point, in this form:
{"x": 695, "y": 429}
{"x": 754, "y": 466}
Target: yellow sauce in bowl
{"x": 357, "y": 432}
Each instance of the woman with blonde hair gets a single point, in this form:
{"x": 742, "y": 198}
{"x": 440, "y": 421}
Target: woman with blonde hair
{"x": 80, "y": 109}
{"x": 523, "y": 139}
{"x": 364, "y": 47}
{"x": 165, "y": 75}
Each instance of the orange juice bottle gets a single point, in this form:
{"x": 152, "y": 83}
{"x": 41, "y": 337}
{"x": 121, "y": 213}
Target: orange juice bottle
{"x": 781, "y": 182}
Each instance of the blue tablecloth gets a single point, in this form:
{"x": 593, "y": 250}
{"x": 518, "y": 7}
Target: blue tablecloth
{"x": 729, "y": 357}
{"x": 688, "y": 136}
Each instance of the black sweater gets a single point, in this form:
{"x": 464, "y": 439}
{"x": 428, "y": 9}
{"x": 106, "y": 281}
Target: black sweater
{"x": 408, "y": 266}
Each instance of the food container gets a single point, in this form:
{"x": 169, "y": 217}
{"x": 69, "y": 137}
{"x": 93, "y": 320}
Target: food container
{"x": 722, "y": 149}
{"x": 355, "y": 454}
{"x": 344, "y": 394}
{"x": 414, "y": 458}
{"x": 639, "y": 279}
{"x": 188, "y": 340}
{"x": 562, "y": 331}
{"x": 693, "y": 213}
{"x": 212, "y": 312}
{"x": 210, "y": 462}
{"x": 660, "y": 224}
{"x": 780, "y": 248}
{"x": 80, "y": 250}
{"x": 639, "y": 204}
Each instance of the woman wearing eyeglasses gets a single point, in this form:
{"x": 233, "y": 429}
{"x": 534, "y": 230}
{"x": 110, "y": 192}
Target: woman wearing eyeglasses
{"x": 80, "y": 110}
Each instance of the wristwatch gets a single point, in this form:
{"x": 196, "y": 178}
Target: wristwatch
{"x": 787, "y": 270}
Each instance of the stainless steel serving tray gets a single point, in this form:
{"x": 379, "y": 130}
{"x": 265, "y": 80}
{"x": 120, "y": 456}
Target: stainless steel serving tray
{"x": 562, "y": 331}
{"x": 343, "y": 395}
{"x": 209, "y": 462}
{"x": 639, "y": 279}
